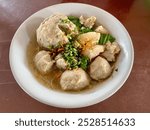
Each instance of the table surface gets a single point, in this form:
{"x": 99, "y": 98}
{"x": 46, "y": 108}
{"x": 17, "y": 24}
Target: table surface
{"x": 134, "y": 96}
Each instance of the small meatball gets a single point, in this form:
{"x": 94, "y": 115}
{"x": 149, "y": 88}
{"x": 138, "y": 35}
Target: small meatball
{"x": 89, "y": 22}
{"x": 100, "y": 69}
{"x": 111, "y": 50}
{"x": 101, "y": 29}
{"x": 43, "y": 62}
{"x": 74, "y": 79}
{"x": 94, "y": 51}
{"x": 87, "y": 40}
{"x": 60, "y": 62}
{"x": 49, "y": 33}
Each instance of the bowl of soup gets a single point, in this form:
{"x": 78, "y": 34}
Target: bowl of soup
{"x": 67, "y": 57}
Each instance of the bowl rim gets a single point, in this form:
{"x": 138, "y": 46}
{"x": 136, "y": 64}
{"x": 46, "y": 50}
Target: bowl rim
{"x": 61, "y": 104}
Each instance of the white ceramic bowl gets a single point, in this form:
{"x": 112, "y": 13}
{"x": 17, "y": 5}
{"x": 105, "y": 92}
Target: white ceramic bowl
{"x": 30, "y": 85}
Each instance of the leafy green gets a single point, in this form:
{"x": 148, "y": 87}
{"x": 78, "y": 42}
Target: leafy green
{"x": 75, "y": 20}
{"x": 105, "y": 38}
{"x": 111, "y": 39}
{"x": 83, "y": 62}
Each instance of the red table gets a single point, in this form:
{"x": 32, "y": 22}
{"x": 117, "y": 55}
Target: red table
{"x": 134, "y": 96}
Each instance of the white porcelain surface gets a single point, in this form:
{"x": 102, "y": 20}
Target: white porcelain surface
{"x": 30, "y": 85}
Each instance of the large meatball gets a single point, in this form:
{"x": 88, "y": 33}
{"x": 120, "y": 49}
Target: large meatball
{"x": 100, "y": 69}
{"x": 74, "y": 79}
{"x": 43, "y": 62}
{"x": 49, "y": 33}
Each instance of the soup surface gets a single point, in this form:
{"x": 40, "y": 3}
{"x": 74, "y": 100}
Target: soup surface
{"x": 52, "y": 79}
{"x": 72, "y": 54}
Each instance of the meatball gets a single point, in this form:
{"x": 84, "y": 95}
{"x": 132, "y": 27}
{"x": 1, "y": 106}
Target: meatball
{"x": 74, "y": 79}
{"x": 100, "y": 69}
{"x": 94, "y": 51}
{"x": 49, "y": 33}
{"x": 60, "y": 62}
{"x": 89, "y": 22}
{"x": 111, "y": 50}
{"x": 43, "y": 62}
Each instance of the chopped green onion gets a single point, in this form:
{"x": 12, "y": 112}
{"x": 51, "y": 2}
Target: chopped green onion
{"x": 85, "y": 29}
{"x": 83, "y": 62}
{"x": 71, "y": 55}
{"x": 73, "y": 58}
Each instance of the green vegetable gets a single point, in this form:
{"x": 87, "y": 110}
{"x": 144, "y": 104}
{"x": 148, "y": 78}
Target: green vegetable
{"x": 69, "y": 37}
{"x": 77, "y": 45}
{"x": 81, "y": 28}
{"x": 83, "y": 62}
{"x": 105, "y": 38}
{"x": 111, "y": 39}
{"x": 75, "y": 20}
{"x": 71, "y": 55}
{"x": 73, "y": 58}
{"x": 85, "y": 29}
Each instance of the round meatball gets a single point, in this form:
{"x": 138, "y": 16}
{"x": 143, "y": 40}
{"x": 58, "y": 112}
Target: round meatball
{"x": 43, "y": 62}
{"x": 100, "y": 69}
{"x": 74, "y": 79}
{"x": 60, "y": 62}
{"x": 49, "y": 33}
